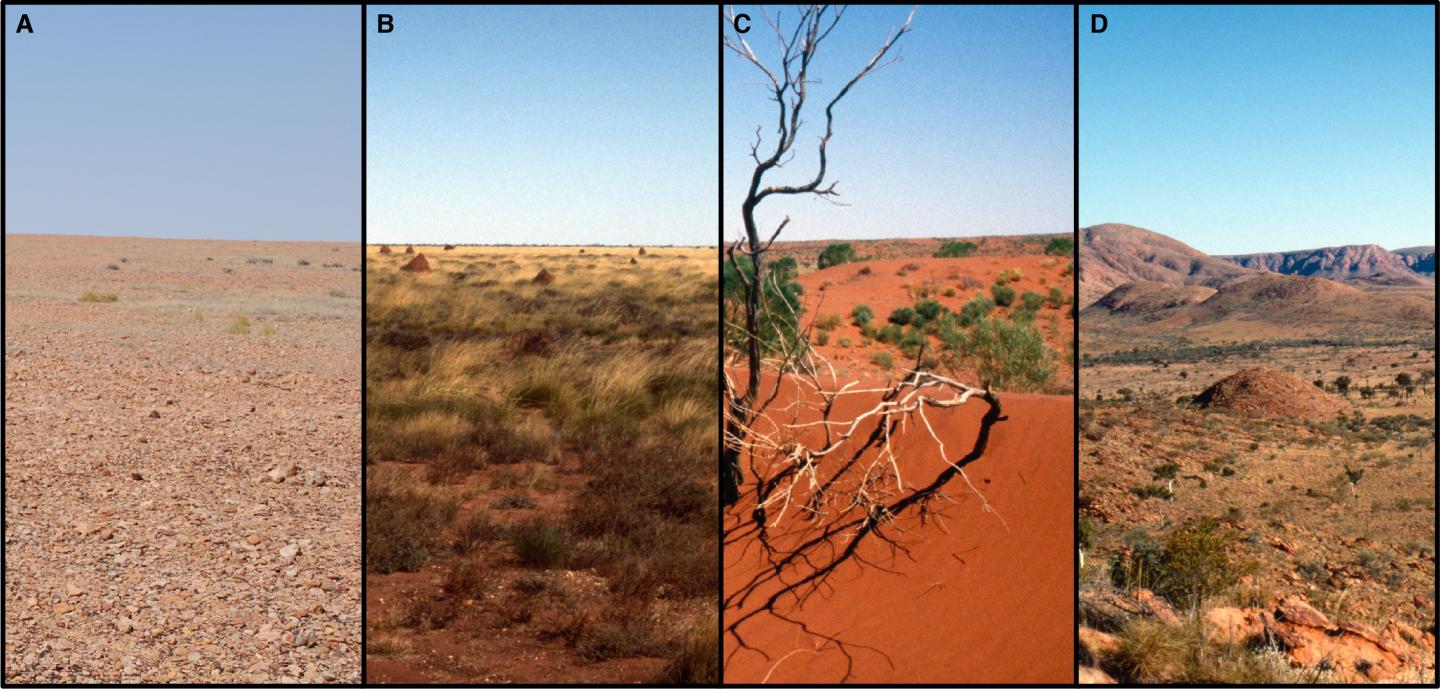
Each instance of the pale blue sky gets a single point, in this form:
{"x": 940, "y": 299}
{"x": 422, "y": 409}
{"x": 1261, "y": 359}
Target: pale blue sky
{"x": 184, "y": 121}
{"x": 1249, "y": 129}
{"x": 971, "y": 133}
{"x": 550, "y": 125}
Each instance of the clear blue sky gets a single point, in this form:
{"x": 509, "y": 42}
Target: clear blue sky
{"x": 1248, "y": 129}
{"x": 193, "y": 122}
{"x": 548, "y": 125}
{"x": 971, "y": 133}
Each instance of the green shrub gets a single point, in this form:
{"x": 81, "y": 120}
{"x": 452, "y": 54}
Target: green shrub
{"x": 829, "y": 321}
{"x": 883, "y": 360}
{"x": 861, "y": 315}
{"x": 1056, "y": 298}
{"x": 889, "y": 334}
{"x": 955, "y": 250}
{"x": 902, "y": 316}
{"x": 1010, "y": 355}
{"x": 822, "y": 337}
{"x": 1060, "y": 246}
{"x": 976, "y": 309}
{"x": 928, "y": 310}
{"x": 836, "y": 254}
{"x": 1031, "y": 301}
{"x": 1190, "y": 565}
{"x": 1004, "y": 294}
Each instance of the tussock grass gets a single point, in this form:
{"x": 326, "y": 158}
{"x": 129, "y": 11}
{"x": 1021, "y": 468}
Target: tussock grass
{"x": 608, "y": 371}
{"x": 99, "y": 297}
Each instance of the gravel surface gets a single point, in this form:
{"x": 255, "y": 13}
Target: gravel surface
{"x": 182, "y": 502}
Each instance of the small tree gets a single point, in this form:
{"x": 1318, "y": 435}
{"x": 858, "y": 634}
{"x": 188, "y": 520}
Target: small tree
{"x": 1342, "y": 385}
{"x": 836, "y": 254}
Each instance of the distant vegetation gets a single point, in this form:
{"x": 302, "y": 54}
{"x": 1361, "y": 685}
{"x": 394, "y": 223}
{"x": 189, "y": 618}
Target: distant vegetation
{"x": 1060, "y": 246}
{"x": 955, "y": 250}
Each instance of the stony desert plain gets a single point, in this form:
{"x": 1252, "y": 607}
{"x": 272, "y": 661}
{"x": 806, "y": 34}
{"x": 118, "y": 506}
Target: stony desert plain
{"x": 182, "y": 472}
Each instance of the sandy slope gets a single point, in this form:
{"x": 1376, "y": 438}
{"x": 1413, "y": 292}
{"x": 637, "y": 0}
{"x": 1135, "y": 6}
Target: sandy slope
{"x": 143, "y": 541}
{"x": 977, "y": 600}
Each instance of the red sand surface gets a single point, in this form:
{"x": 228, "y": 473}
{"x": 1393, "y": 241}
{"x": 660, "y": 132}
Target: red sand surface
{"x": 839, "y": 289}
{"x": 974, "y": 601}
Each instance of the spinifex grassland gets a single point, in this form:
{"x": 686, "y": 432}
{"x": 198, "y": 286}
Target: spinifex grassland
{"x": 182, "y": 472}
{"x": 1215, "y": 520}
{"x": 541, "y": 483}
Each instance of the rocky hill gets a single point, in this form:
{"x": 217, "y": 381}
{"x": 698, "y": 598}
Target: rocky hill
{"x": 1367, "y": 263}
{"x": 1421, "y": 259}
{"x": 1113, "y": 254}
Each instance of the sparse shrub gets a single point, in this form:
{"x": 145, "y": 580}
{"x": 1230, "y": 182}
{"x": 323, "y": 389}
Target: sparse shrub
{"x": 829, "y": 321}
{"x": 476, "y": 530}
{"x": 302, "y": 262}
{"x": 469, "y": 578}
{"x": 403, "y": 523}
{"x": 976, "y": 309}
{"x": 514, "y": 501}
{"x": 540, "y": 545}
{"x": 883, "y": 359}
{"x": 1031, "y": 301}
{"x": 695, "y": 660}
{"x": 1056, "y": 298}
{"x": 1167, "y": 470}
{"x": 1004, "y": 294}
{"x": 822, "y": 338}
{"x": 99, "y": 297}
{"x": 625, "y": 630}
{"x": 862, "y": 315}
{"x": 112, "y": 266}
{"x": 1190, "y": 565}
{"x": 339, "y": 293}
{"x": 239, "y": 325}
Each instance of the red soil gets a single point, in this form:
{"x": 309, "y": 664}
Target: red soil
{"x": 974, "y": 601}
{"x": 417, "y": 265}
{"x": 839, "y": 289}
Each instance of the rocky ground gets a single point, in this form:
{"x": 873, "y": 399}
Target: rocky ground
{"x": 182, "y": 494}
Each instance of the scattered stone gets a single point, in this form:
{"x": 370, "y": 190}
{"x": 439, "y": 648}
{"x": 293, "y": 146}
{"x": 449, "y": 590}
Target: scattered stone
{"x": 289, "y": 552}
{"x": 154, "y": 414}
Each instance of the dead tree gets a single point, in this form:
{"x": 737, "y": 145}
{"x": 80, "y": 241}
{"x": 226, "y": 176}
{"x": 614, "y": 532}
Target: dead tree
{"x": 815, "y": 459}
{"x": 789, "y": 86}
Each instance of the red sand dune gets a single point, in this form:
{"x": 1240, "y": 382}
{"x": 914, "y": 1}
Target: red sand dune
{"x": 974, "y": 601}
{"x": 837, "y": 290}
